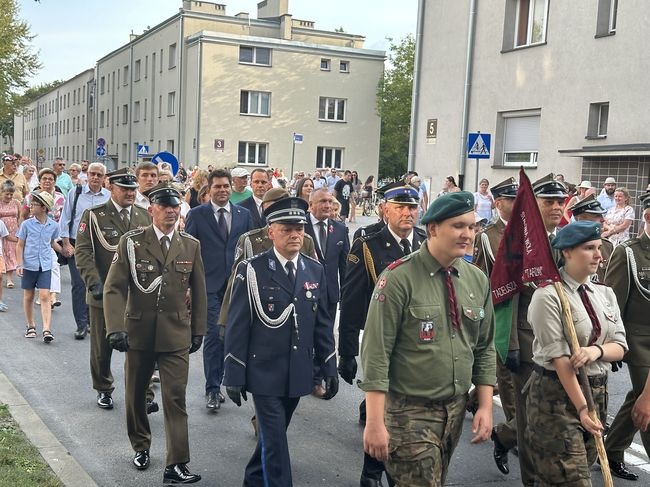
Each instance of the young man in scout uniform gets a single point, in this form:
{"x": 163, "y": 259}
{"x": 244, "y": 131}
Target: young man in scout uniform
{"x": 278, "y": 321}
{"x": 430, "y": 310}
{"x": 146, "y": 291}
{"x": 99, "y": 232}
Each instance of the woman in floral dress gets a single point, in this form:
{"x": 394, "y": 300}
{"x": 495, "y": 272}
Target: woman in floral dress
{"x": 10, "y": 216}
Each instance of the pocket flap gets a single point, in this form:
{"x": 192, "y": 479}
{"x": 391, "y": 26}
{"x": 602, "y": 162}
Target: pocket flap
{"x": 424, "y": 312}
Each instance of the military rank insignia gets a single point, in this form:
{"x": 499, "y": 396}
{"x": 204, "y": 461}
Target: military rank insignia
{"x": 427, "y": 332}
{"x": 271, "y": 307}
{"x": 82, "y": 227}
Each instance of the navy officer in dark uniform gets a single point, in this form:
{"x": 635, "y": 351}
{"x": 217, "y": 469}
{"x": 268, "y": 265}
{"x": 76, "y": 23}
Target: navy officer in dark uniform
{"x": 277, "y": 321}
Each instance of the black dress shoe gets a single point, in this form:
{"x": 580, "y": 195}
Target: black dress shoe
{"x": 212, "y": 402}
{"x": 152, "y": 407}
{"x": 500, "y": 454}
{"x": 619, "y": 470}
{"x": 222, "y": 399}
{"x": 141, "y": 459}
{"x": 80, "y": 334}
{"x": 370, "y": 482}
{"x": 179, "y": 474}
{"x": 104, "y": 400}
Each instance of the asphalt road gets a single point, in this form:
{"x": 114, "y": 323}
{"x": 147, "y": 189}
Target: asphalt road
{"x": 324, "y": 436}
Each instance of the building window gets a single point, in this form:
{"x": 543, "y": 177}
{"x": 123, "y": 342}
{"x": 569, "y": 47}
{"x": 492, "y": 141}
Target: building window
{"x": 344, "y": 66}
{"x": 171, "y": 103}
{"x": 252, "y": 153}
{"x": 83, "y": 123}
{"x": 136, "y": 70}
{"x": 136, "y": 111}
{"x": 255, "y": 55}
{"x": 598, "y": 118}
{"x": 531, "y": 18}
{"x": 325, "y": 64}
{"x": 329, "y": 157}
{"x": 125, "y": 114}
{"x": 520, "y": 137}
{"x": 255, "y": 103}
{"x": 170, "y": 146}
{"x": 331, "y": 109}
{"x": 144, "y": 112}
{"x": 606, "y": 19}
{"x": 126, "y": 75}
{"x": 146, "y": 66}
{"x": 172, "y": 56}
{"x": 159, "y": 106}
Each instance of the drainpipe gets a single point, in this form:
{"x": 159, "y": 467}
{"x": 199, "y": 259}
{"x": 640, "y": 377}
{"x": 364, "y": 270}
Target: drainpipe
{"x": 198, "y": 101}
{"x": 179, "y": 118}
{"x": 415, "y": 97}
{"x": 130, "y": 112}
{"x": 469, "y": 64}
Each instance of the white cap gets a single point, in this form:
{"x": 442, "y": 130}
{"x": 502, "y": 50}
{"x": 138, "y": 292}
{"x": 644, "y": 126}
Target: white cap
{"x": 610, "y": 180}
{"x": 585, "y": 185}
{"x": 239, "y": 172}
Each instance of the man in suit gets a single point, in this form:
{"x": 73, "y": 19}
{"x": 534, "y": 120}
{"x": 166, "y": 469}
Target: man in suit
{"x": 99, "y": 232}
{"x": 369, "y": 256}
{"x": 332, "y": 247}
{"x": 154, "y": 272}
{"x": 260, "y": 183}
{"x": 271, "y": 337}
{"x": 218, "y": 225}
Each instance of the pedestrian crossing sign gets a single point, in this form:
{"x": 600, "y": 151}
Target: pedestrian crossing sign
{"x": 478, "y": 145}
{"x": 143, "y": 150}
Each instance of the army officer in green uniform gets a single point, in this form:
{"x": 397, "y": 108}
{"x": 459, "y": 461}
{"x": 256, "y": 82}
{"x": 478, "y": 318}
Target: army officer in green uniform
{"x": 429, "y": 335}
{"x": 99, "y": 232}
{"x": 153, "y": 271}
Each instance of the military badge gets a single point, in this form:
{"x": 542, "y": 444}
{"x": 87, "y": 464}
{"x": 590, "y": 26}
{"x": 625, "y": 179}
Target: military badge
{"x": 353, "y": 258}
{"x": 310, "y": 285}
{"x": 271, "y": 307}
{"x": 382, "y": 283}
{"x": 331, "y": 228}
{"x": 308, "y": 294}
{"x": 427, "y": 332}
{"x": 82, "y": 227}
{"x": 115, "y": 258}
{"x": 271, "y": 264}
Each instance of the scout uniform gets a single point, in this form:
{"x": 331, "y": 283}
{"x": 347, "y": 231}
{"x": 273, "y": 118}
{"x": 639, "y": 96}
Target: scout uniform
{"x": 99, "y": 232}
{"x": 145, "y": 292}
{"x": 275, "y": 328}
{"x": 561, "y": 452}
{"x": 409, "y": 332}
{"x": 628, "y": 274}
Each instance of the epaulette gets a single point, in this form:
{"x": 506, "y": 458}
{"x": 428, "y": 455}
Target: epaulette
{"x": 398, "y": 262}
{"x": 100, "y": 205}
{"x": 187, "y": 235}
{"x": 140, "y": 207}
{"x": 310, "y": 258}
{"x": 420, "y": 232}
{"x": 135, "y": 231}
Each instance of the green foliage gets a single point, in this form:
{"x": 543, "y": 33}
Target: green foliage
{"x": 394, "y": 107}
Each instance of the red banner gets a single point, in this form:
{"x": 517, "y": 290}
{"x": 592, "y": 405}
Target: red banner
{"x": 524, "y": 254}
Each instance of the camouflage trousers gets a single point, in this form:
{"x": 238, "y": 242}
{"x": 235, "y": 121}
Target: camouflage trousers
{"x": 423, "y": 436}
{"x": 560, "y": 449}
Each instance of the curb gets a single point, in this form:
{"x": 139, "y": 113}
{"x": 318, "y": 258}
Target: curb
{"x": 55, "y": 454}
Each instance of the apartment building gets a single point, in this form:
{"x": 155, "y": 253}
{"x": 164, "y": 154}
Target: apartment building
{"x": 559, "y": 86}
{"x": 59, "y": 123}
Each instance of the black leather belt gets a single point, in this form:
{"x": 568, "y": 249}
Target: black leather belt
{"x": 594, "y": 380}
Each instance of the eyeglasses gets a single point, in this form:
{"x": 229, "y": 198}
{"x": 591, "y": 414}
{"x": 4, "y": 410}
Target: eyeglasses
{"x": 47, "y": 179}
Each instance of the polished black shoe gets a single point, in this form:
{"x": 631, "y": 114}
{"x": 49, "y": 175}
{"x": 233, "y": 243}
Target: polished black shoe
{"x": 500, "y": 454}
{"x": 80, "y": 334}
{"x": 141, "y": 459}
{"x": 222, "y": 399}
{"x": 370, "y": 482}
{"x": 104, "y": 400}
{"x": 179, "y": 474}
{"x": 152, "y": 407}
{"x": 212, "y": 402}
{"x": 619, "y": 470}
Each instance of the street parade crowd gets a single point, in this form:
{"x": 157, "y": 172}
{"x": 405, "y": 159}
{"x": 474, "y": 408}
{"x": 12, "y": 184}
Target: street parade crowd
{"x": 255, "y": 271}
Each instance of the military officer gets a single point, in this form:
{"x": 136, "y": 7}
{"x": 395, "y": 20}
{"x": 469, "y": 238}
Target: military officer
{"x": 381, "y": 223}
{"x": 557, "y": 412}
{"x": 628, "y": 274}
{"x": 368, "y": 257}
{"x": 154, "y": 270}
{"x": 431, "y": 310}
{"x": 486, "y": 246}
{"x": 589, "y": 209}
{"x": 99, "y": 232}
{"x": 278, "y": 320}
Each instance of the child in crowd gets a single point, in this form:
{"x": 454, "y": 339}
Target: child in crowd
{"x": 35, "y": 237}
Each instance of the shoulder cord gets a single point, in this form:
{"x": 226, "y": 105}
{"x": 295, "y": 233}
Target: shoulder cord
{"x": 130, "y": 250}
{"x": 248, "y": 248}
{"x": 370, "y": 263}
{"x": 485, "y": 241}
{"x": 103, "y": 242}
{"x": 254, "y": 295}
{"x": 630, "y": 257}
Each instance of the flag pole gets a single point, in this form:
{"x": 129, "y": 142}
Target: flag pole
{"x": 574, "y": 346}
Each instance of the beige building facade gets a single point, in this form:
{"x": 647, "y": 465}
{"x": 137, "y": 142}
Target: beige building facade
{"x": 558, "y": 85}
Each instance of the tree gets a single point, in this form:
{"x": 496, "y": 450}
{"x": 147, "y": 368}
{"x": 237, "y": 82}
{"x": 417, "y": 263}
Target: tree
{"x": 394, "y": 107}
{"x": 18, "y": 61}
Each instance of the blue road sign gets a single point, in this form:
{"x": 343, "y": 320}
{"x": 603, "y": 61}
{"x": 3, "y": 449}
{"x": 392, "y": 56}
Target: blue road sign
{"x": 166, "y": 159}
{"x": 297, "y": 138}
{"x": 478, "y": 145}
{"x": 101, "y": 142}
{"x": 100, "y": 151}
{"x": 143, "y": 150}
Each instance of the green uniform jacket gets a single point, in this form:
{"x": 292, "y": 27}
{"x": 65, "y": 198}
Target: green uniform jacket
{"x": 633, "y": 302}
{"x": 486, "y": 245}
{"x": 157, "y": 321}
{"x": 409, "y": 345}
{"x": 92, "y": 257}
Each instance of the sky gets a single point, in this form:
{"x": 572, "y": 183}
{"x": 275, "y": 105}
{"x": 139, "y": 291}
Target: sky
{"x": 71, "y": 35}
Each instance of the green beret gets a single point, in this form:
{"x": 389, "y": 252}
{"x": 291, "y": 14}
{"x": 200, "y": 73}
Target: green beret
{"x": 576, "y": 233}
{"x": 449, "y": 205}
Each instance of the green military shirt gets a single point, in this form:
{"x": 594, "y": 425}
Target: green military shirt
{"x": 409, "y": 345}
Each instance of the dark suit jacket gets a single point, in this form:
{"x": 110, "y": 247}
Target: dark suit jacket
{"x": 334, "y": 259}
{"x": 218, "y": 255}
{"x": 277, "y": 361}
{"x": 258, "y": 220}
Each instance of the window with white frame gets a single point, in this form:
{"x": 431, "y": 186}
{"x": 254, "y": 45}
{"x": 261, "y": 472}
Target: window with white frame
{"x": 531, "y": 17}
{"x": 325, "y": 64}
{"x": 598, "y": 120}
{"x": 520, "y": 138}
{"x": 125, "y": 114}
{"x": 344, "y": 66}
{"x": 255, "y": 55}
{"x": 252, "y": 153}
{"x": 126, "y": 75}
{"x": 136, "y": 70}
{"x": 171, "y": 104}
{"x": 606, "y": 19}
{"x": 329, "y": 157}
{"x": 255, "y": 103}
{"x": 172, "y": 56}
{"x": 331, "y": 109}
{"x": 136, "y": 111}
